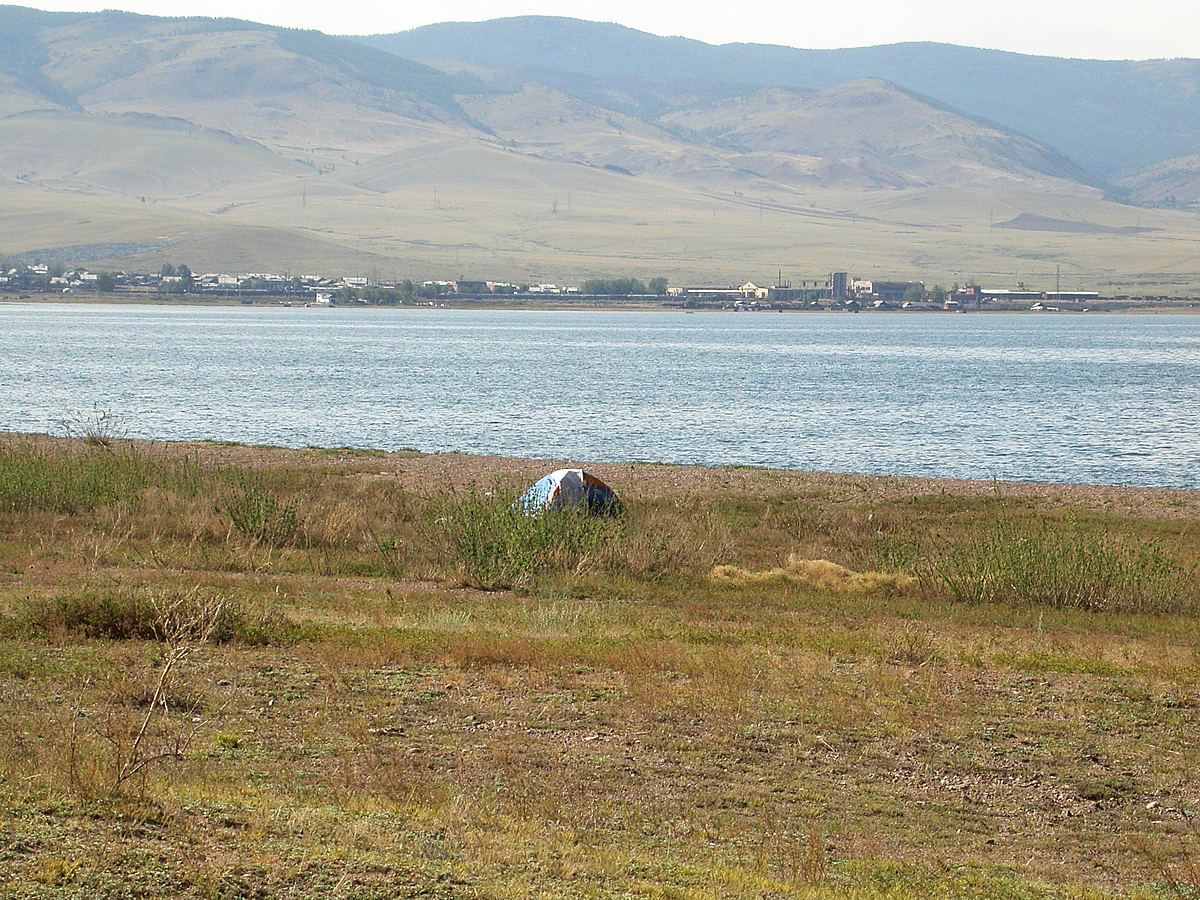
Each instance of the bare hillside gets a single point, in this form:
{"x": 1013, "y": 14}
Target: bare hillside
{"x": 871, "y": 134}
{"x": 1174, "y": 182}
{"x": 129, "y": 140}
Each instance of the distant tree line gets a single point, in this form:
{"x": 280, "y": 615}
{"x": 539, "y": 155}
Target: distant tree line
{"x": 185, "y": 283}
{"x": 405, "y": 292}
{"x": 623, "y": 286}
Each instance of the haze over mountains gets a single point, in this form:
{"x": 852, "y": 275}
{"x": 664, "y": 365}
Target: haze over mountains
{"x": 557, "y": 149}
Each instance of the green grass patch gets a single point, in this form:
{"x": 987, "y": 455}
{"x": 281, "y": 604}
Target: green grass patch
{"x": 1046, "y": 662}
{"x": 85, "y": 477}
{"x": 113, "y": 613}
{"x": 1065, "y": 566}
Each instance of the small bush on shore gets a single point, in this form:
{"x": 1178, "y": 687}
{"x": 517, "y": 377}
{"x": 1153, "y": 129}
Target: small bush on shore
{"x": 101, "y": 427}
{"x": 1066, "y": 567}
{"x": 259, "y": 513}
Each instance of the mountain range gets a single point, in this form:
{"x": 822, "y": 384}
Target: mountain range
{"x": 557, "y": 148}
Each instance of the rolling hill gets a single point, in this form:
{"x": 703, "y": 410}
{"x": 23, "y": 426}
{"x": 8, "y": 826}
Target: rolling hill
{"x": 1172, "y": 183}
{"x": 876, "y": 136}
{"x": 134, "y": 155}
{"x": 130, "y": 140}
{"x": 1098, "y": 113}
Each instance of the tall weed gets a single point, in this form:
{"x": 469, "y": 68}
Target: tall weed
{"x": 495, "y": 546}
{"x": 259, "y": 513}
{"x": 80, "y": 479}
{"x": 1067, "y": 567}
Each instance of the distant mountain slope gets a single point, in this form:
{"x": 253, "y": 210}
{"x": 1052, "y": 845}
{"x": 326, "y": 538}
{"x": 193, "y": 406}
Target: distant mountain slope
{"x": 265, "y": 82}
{"x": 132, "y": 140}
{"x": 887, "y": 136}
{"x": 23, "y": 56}
{"x": 1108, "y": 117}
{"x": 865, "y": 135}
{"x": 1175, "y": 182}
{"x": 551, "y": 124}
{"x": 141, "y": 156}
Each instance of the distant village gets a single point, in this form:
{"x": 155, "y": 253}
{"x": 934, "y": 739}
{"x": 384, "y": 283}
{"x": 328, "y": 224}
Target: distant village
{"x": 837, "y": 291}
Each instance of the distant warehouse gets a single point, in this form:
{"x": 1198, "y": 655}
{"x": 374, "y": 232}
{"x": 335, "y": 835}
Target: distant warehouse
{"x": 1003, "y": 295}
{"x": 897, "y": 291}
{"x": 1073, "y": 296}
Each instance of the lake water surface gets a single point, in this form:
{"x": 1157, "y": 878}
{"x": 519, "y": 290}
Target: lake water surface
{"x": 1069, "y": 398}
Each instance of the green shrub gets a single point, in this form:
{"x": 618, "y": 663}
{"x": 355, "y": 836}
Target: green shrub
{"x": 259, "y": 513}
{"x": 94, "y": 614}
{"x": 1065, "y": 566}
{"x": 494, "y": 546}
{"x": 138, "y": 614}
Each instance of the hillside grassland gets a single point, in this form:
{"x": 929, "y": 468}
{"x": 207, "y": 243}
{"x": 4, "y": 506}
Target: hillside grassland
{"x": 241, "y": 671}
{"x": 467, "y": 208}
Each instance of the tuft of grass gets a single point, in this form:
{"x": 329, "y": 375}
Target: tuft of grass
{"x": 495, "y": 546}
{"x": 1065, "y": 567}
{"x": 913, "y": 645}
{"x": 1109, "y": 788}
{"x": 259, "y": 513}
{"x": 102, "y": 427}
{"x": 135, "y": 614}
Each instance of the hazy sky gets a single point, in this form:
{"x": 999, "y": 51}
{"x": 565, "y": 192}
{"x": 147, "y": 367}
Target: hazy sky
{"x": 1108, "y": 29}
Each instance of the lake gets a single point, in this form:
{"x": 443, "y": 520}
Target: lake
{"x": 1062, "y": 398}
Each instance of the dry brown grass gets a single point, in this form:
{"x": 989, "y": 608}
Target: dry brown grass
{"x": 820, "y": 575}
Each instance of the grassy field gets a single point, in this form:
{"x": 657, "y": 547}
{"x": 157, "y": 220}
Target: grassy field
{"x": 229, "y": 671}
{"x": 465, "y": 209}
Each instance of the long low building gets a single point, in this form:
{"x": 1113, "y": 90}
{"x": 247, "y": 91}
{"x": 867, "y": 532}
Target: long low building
{"x": 1003, "y": 295}
{"x": 1073, "y": 296}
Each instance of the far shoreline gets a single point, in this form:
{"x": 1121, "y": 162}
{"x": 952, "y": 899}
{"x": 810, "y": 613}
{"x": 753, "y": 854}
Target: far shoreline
{"x": 1149, "y": 309}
